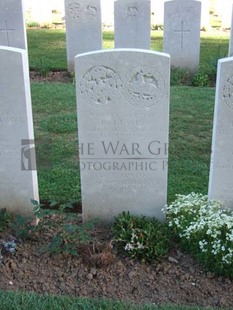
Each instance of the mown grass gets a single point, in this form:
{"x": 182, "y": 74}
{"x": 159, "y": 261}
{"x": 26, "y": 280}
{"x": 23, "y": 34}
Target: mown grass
{"x": 28, "y": 301}
{"x": 55, "y": 121}
{"x": 47, "y": 49}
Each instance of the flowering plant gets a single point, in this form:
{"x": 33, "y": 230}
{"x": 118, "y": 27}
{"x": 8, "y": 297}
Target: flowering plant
{"x": 140, "y": 237}
{"x": 205, "y": 229}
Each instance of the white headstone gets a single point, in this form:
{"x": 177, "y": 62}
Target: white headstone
{"x": 230, "y": 50}
{"x": 83, "y": 28}
{"x": 182, "y": 33}
{"x": 221, "y": 167}
{"x": 12, "y": 24}
{"x": 132, "y": 24}
{"x": 18, "y": 180}
{"x": 123, "y": 116}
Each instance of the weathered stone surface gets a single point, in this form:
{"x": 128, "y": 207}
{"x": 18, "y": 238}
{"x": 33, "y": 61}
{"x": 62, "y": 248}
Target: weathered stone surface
{"x": 221, "y": 167}
{"x": 132, "y": 24}
{"x": 182, "y": 33}
{"x": 18, "y": 178}
{"x": 83, "y": 28}
{"x": 12, "y": 24}
{"x": 123, "y": 113}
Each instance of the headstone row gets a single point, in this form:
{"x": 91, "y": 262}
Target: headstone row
{"x": 84, "y": 27}
{"x": 182, "y": 19}
{"x": 123, "y": 119}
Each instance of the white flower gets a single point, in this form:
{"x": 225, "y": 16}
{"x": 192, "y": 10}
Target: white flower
{"x": 129, "y": 247}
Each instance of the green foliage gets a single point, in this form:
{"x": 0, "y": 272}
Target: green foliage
{"x": 4, "y": 219}
{"x": 37, "y": 209}
{"x": 23, "y": 227}
{"x": 205, "y": 230}
{"x": 142, "y": 238}
{"x": 69, "y": 231}
{"x": 43, "y": 67}
{"x": 200, "y": 80}
{"x": 69, "y": 236}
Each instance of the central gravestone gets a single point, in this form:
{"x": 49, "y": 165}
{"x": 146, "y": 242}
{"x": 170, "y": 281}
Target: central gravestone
{"x": 123, "y": 116}
{"x": 83, "y": 28}
{"x": 132, "y": 24}
{"x": 182, "y": 20}
{"x": 221, "y": 168}
{"x": 12, "y": 24}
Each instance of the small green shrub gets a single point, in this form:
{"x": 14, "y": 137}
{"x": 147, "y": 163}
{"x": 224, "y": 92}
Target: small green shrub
{"x": 23, "y": 227}
{"x": 142, "y": 238}
{"x": 205, "y": 230}
{"x": 69, "y": 231}
{"x": 200, "y": 80}
{"x": 69, "y": 236}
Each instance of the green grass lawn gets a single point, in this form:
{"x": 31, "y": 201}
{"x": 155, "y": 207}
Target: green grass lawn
{"x": 47, "y": 49}
{"x": 28, "y": 301}
{"x": 55, "y": 120}
{"x": 54, "y": 110}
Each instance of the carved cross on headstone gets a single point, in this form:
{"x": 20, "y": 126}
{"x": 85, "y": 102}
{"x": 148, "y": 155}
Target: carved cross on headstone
{"x": 182, "y": 31}
{"x": 6, "y": 30}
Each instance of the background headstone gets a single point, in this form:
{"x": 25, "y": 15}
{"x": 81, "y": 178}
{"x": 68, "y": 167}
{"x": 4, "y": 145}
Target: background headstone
{"x": 83, "y": 28}
{"x": 18, "y": 177}
{"x": 123, "y": 116}
{"x": 182, "y": 33}
{"x": 12, "y": 24}
{"x": 230, "y": 50}
{"x": 221, "y": 167}
{"x": 132, "y": 24}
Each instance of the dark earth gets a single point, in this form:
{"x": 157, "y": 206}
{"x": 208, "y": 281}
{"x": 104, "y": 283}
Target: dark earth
{"x": 102, "y": 272}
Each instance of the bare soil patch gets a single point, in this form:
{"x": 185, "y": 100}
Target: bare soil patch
{"x": 52, "y": 76}
{"x": 100, "y": 271}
